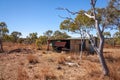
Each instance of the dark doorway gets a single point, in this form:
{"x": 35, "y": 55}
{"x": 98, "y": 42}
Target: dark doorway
{"x": 59, "y": 47}
{"x": 67, "y": 46}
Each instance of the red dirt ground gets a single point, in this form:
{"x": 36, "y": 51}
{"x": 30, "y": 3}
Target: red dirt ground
{"x": 30, "y": 64}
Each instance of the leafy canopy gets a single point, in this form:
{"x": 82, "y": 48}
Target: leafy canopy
{"x": 81, "y": 21}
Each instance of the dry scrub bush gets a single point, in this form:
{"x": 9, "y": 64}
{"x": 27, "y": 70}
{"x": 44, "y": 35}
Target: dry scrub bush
{"x": 114, "y": 70}
{"x": 93, "y": 71}
{"x": 22, "y": 74}
{"x": 110, "y": 58}
{"x": 32, "y": 59}
{"x": 74, "y": 56}
{"x": 113, "y": 60}
{"x": 44, "y": 47}
{"x": 114, "y": 74}
{"x": 61, "y": 59}
{"x": 47, "y": 74}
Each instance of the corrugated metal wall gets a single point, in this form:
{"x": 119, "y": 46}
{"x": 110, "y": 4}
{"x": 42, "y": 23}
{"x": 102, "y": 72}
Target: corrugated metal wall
{"x": 74, "y": 45}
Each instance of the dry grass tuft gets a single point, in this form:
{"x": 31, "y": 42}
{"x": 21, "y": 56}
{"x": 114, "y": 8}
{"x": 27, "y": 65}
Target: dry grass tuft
{"x": 22, "y": 74}
{"x": 32, "y": 59}
{"x": 61, "y": 59}
{"x": 114, "y": 71}
{"x": 74, "y": 56}
{"x": 110, "y": 58}
{"x": 47, "y": 74}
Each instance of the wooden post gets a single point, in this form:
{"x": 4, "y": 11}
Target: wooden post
{"x": 48, "y": 42}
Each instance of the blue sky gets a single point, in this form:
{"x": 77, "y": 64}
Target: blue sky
{"x": 27, "y": 16}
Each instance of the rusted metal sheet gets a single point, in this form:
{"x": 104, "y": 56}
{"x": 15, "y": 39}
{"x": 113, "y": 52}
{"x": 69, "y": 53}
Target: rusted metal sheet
{"x": 60, "y": 44}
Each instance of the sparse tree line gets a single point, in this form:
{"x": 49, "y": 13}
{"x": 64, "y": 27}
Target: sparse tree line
{"x": 15, "y": 36}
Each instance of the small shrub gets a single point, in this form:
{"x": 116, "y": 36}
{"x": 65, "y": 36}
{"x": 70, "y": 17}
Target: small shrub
{"x": 61, "y": 60}
{"x": 74, "y": 56}
{"x": 47, "y": 74}
{"x": 38, "y": 44}
{"x": 32, "y": 59}
{"x": 114, "y": 71}
{"x": 110, "y": 58}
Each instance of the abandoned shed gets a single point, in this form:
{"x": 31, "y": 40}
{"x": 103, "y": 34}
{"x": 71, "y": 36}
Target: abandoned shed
{"x": 71, "y": 44}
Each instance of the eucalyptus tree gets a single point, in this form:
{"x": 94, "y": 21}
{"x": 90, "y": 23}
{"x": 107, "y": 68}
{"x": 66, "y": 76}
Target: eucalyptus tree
{"x": 117, "y": 35}
{"x": 32, "y": 37}
{"x": 98, "y": 49}
{"x": 48, "y": 33}
{"x": 60, "y": 35}
{"x": 103, "y": 18}
{"x": 79, "y": 25}
{"x": 42, "y": 40}
{"x": 15, "y": 35}
{"x": 3, "y": 30}
{"x": 107, "y": 34}
{"x": 4, "y": 34}
{"x": 113, "y": 13}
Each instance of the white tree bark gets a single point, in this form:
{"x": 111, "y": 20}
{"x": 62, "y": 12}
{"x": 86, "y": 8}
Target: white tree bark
{"x": 99, "y": 50}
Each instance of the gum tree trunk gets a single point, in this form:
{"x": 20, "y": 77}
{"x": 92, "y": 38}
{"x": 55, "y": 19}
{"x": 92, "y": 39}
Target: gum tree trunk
{"x": 99, "y": 50}
{"x": 1, "y": 46}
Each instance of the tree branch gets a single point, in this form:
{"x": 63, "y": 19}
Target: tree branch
{"x": 89, "y": 16}
{"x": 69, "y": 18}
{"x": 73, "y": 13}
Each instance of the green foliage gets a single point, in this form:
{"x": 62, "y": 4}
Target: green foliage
{"x": 83, "y": 21}
{"x": 15, "y": 36}
{"x": 114, "y": 11}
{"x": 117, "y": 38}
{"x": 42, "y": 40}
{"x": 107, "y": 34}
{"x": 27, "y": 40}
{"x": 48, "y": 33}
{"x": 3, "y": 29}
{"x": 65, "y": 25}
{"x": 60, "y": 35}
{"x": 117, "y": 35}
{"x": 38, "y": 43}
{"x": 110, "y": 15}
{"x": 20, "y": 40}
{"x": 7, "y": 37}
{"x": 117, "y": 41}
{"x": 33, "y": 35}
{"x": 80, "y": 22}
{"x": 31, "y": 38}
